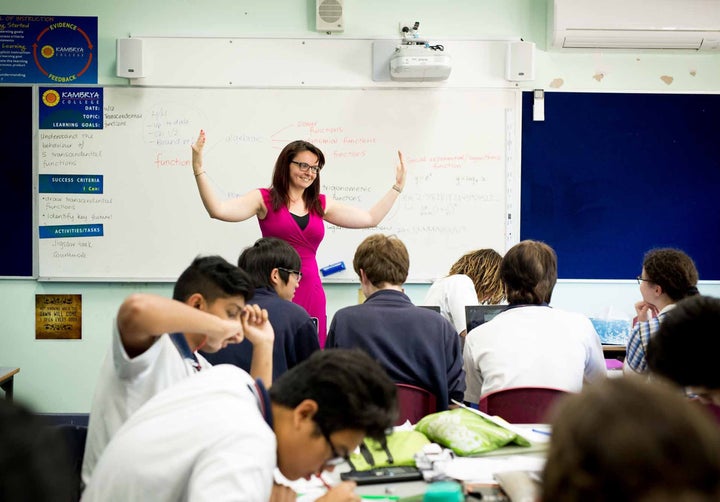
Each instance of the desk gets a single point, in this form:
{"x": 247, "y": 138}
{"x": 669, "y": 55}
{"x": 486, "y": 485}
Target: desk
{"x": 7, "y": 375}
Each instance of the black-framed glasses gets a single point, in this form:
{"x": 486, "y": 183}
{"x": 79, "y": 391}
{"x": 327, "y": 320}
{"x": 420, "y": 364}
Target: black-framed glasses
{"x": 640, "y": 280}
{"x": 289, "y": 271}
{"x": 336, "y": 458}
{"x": 304, "y": 167}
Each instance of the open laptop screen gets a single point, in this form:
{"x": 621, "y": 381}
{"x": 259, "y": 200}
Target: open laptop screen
{"x": 475, "y": 315}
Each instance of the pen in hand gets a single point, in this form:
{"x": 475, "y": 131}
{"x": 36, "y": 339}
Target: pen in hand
{"x": 325, "y": 483}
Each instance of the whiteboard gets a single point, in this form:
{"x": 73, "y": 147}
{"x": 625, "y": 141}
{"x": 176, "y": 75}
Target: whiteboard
{"x": 460, "y": 146}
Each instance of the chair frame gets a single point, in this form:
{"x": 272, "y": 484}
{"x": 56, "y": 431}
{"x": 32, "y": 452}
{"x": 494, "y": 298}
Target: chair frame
{"x": 414, "y": 403}
{"x": 523, "y": 404}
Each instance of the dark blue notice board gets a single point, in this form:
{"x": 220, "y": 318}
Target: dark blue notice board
{"x": 605, "y": 177}
{"x": 16, "y": 191}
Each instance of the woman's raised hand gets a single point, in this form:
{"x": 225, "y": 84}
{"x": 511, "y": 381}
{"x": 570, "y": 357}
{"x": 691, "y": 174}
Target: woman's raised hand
{"x": 197, "y": 149}
{"x": 400, "y": 172}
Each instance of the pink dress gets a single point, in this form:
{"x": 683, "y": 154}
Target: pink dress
{"x": 280, "y": 224}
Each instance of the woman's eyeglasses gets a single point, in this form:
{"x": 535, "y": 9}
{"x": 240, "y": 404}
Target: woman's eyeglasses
{"x": 289, "y": 271}
{"x": 304, "y": 167}
{"x": 640, "y": 280}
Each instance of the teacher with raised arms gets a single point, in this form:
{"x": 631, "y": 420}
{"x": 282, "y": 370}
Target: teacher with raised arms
{"x": 293, "y": 209}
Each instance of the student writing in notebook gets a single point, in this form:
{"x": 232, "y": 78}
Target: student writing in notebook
{"x": 220, "y": 435}
{"x": 155, "y": 341}
{"x": 293, "y": 209}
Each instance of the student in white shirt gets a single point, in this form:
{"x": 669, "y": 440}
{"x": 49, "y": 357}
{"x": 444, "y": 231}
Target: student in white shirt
{"x": 531, "y": 344}
{"x": 473, "y": 280}
{"x": 219, "y": 435}
{"x": 155, "y": 342}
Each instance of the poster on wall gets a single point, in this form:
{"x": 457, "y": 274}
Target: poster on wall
{"x": 48, "y": 49}
{"x": 70, "y": 195}
{"x": 58, "y": 317}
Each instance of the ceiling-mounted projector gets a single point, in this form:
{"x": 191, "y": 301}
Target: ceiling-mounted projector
{"x": 419, "y": 63}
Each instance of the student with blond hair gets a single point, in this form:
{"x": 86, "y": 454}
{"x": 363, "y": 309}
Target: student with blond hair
{"x": 474, "y": 279}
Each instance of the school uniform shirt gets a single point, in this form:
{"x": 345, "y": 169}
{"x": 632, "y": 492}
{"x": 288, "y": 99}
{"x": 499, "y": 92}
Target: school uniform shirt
{"x": 415, "y": 345}
{"x": 452, "y": 294}
{"x": 296, "y": 336}
{"x": 125, "y": 384}
{"x": 643, "y": 331}
{"x": 532, "y": 345}
{"x": 203, "y": 439}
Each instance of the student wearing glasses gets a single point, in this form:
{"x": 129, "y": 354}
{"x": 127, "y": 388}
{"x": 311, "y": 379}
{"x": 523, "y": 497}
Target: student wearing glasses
{"x": 274, "y": 269}
{"x": 668, "y": 275}
{"x": 685, "y": 349}
{"x": 293, "y": 209}
{"x": 220, "y": 435}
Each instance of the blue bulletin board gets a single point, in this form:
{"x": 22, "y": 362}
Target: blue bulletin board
{"x": 606, "y": 177}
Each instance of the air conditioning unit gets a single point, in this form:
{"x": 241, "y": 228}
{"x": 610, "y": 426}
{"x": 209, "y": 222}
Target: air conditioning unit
{"x": 634, "y": 24}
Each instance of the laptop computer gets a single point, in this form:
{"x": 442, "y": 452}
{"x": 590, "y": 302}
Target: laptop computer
{"x": 612, "y": 331}
{"x": 475, "y": 315}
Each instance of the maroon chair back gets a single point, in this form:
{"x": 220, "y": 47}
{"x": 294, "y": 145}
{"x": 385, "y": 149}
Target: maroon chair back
{"x": 414, "y": 403}
{"x": 521, "y": 405}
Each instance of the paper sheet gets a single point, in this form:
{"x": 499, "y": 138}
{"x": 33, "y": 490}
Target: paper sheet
{"x": 483, "y": 469}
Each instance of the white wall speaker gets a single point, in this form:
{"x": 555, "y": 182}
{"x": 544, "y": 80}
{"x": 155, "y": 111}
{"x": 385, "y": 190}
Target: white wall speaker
{"x": 130, "y": 58}
{"x": 520, "y": 61}
{"x": 329, "y": 15}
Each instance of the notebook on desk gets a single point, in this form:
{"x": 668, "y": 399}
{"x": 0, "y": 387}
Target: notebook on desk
{"x": 475, "y": 315}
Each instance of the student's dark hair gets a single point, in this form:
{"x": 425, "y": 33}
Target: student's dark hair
{"x": 625, "y": 439}
{"x": 672, "y": 270}
{"x": 529, "y": 273}
{"x": 35, "y": 464}
{"x": 351, "y": 389}
{"x": 281, "y": 178}
{"x": 266, "y": 254}
{"x": 213, "y": 277}
{"x": 384, "y": 258}
{"x": 685, "y": 349}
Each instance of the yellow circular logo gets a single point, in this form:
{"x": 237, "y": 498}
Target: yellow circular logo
{"x": 47, "y": 51}
{"x": 50, "y": 97}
